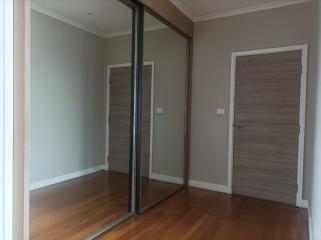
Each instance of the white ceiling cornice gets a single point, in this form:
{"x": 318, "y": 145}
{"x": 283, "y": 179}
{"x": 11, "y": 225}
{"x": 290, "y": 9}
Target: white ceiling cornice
{"x": 261, "y": 7}
{"x": 53, "y": 14}
{"x": 146, "y": 29}
{"x": 283, "y": 3}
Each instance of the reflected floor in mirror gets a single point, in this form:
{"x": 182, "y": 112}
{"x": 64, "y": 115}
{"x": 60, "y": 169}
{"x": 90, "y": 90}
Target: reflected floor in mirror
{"x": 75, "y": 209}
{"x": 153, "y": 190}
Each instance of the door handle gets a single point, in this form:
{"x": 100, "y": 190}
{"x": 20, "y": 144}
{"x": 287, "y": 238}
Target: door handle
{"x": 237, "y": 125}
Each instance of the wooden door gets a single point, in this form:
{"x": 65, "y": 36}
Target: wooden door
{"x": 266, "y": 126}
{"x": 119, "y": 119}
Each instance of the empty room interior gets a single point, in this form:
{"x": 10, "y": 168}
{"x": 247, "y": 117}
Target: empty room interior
{"x": 160, "y": 119}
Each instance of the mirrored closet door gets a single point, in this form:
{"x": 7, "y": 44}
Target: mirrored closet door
{"x": 80, "y": 132}
{"x": 108, "y": 118}
{"x": 163, "y": 112}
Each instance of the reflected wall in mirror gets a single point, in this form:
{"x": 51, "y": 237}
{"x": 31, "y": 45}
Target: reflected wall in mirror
{"x": 80, "y": 122}
{"x": 164, "y": 97}
{"x": 79, "y": 161}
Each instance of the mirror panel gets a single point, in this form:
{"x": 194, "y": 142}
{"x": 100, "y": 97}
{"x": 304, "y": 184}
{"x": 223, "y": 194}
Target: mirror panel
{"x": 164, "y": 99}
{"x": 80, "y": 117}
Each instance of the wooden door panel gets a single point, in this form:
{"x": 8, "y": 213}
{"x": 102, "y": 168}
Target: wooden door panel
{"x": 267, "y": 108}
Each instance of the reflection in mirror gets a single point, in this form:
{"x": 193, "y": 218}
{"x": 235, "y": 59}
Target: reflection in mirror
{"x": 163, "y": 125}
{"x": 79, "y": 161}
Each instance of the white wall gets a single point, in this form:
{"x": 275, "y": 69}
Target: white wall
{"x": 214, "y": 41}
{"x": 67, "y": 99}
{"x": 314, "y": 178}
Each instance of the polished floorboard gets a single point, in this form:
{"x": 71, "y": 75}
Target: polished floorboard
{"x": 75, "y": 209}
{"x": 194, "y": 214}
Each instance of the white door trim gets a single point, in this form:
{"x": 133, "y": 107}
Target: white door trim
{"x": 6, "y": 119}
{"x": 109, "y": 67}
{"x": 304, "y": 49}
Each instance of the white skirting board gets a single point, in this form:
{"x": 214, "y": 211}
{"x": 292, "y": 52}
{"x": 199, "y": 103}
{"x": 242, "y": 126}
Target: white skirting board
{"x": 165, "y": 178}
{"x": 304, "y": 204}
{"x": 66, "y": 177}
{"x": 209, "y": 186}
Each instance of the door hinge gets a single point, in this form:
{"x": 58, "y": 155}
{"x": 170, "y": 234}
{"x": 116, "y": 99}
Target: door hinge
{"x": 299, "y": 129}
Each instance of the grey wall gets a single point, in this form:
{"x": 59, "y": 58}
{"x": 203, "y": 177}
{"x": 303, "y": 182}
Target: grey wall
{"x": 314, "y": 176}
{"x": 214, "y": 41}
{"x": 67, "y": 99}
{"x": 169, "y": 52}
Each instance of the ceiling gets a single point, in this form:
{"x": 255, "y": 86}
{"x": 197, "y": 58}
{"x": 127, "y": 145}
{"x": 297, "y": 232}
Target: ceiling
{"x": 106, "y": 18}
{"x": 201, "y": 10}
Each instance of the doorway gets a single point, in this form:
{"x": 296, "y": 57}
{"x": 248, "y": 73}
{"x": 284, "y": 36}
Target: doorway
{"x": 267, "y": 122}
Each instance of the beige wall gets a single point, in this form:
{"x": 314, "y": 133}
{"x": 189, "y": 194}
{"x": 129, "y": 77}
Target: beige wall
{"x": 314, "y": 176}
{"x": 214, "y": 41}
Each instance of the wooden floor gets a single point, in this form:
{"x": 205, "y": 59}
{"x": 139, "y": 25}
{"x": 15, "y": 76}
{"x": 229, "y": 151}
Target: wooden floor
{"x": 193, "y": 214}
{"x": 75, "y": 209}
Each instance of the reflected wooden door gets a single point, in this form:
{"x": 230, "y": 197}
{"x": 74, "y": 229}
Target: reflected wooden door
{"x": 119, "y": 119}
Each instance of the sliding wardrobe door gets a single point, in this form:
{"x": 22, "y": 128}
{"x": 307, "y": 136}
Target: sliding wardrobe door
{"x": 163, "y": 112}
{"x": 81, "y": 117}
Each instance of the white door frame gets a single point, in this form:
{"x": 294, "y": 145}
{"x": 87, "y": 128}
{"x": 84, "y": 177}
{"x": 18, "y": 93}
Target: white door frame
{"x": 6, "y": 119}
{"x": 304, "y": 49}
{"x": 109, "y": 67}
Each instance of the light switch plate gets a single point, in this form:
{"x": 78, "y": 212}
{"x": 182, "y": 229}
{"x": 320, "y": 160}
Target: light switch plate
{"x": 220, "y": 111}
{"x": 160, "y": 110}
